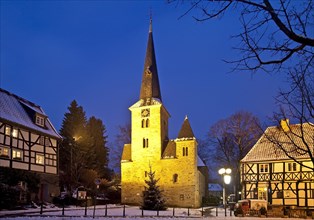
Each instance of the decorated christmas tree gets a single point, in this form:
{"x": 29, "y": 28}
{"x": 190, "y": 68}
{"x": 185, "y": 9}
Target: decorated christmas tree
{"x": 152, "y": 198}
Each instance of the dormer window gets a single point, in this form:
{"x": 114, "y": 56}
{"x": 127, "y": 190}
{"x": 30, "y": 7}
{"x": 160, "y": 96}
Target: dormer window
{"x": 40, "y": 120}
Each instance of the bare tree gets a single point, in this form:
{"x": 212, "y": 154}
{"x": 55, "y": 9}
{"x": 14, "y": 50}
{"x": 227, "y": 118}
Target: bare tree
{"x": 298, "y": 105}
{"x": 231, "y": 139}
{"x": 123, "y": 137}
{"x": 275, "y": 35}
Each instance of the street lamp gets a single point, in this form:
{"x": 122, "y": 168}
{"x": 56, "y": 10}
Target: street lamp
{"x": 225, "y": 173}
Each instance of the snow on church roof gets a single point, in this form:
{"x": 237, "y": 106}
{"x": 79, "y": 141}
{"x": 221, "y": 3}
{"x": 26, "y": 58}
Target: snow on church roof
{"x": 19, "y": 111}
{"x": 200, "y": 162}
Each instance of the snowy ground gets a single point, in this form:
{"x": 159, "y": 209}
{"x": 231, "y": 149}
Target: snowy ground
{"x": 115, "y": 212}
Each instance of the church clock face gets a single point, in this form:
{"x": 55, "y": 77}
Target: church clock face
{"x": 145, "y": 112}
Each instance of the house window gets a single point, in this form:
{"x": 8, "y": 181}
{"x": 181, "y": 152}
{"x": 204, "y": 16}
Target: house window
{"x": 47, "y": 142}
{"x": 185, "y": 151}
{"x": 40, "y": 121}
{"x": 175, "y": 178}
{"x": 40, "y": 159}
{"x": 4, "y": 152}
{"x": 263, "y": 168}
{"x": 262, "y": 193}
{"x": 41, "y": 140}
{"x": 312, "y": 193}
{"x": 292, "y": 166}
{"x": 14, "y": 132}
{"x": 51, "y": 160}
{"x": 16, "y": 154}
{"x": 279, "y": 195}
{"x": 7, "y": 130}
{"x": 145, "y": 142}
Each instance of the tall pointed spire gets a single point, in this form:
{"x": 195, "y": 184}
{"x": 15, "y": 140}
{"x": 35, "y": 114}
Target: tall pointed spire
{"x": 150, "y": 82}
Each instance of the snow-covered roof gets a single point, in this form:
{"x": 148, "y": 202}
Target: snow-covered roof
{"x": 214, "y": 187}
{"x": 146, "y": 102}
{"x": 200, "y": 162}
{"x": 20, "y": 111}
{"x": 267, "y": 149}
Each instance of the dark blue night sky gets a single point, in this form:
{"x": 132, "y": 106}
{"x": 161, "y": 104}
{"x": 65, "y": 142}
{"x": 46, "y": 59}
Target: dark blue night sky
{"x": 53, "y": 52}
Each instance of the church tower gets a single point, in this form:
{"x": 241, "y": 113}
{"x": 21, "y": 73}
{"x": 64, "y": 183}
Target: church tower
{"x": 175, "y": 162}
{"x": 149, "y": 116}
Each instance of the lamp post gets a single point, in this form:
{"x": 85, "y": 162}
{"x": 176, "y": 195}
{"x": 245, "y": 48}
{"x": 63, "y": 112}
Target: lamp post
{"x": 225, "y": 173}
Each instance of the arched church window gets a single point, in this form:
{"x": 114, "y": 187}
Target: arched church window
{"x": 185, "y": 151}
{"x": 175, "y": 178}
{"x": 143, "y": 123}
{"x": 147, "y": 123}
{"x": 145, "y": 142}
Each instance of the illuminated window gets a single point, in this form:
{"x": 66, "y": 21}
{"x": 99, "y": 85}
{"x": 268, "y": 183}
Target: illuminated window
{"x": 16, "y": 154}
{"x": 7, "y": 130}
{"x": 40, "y": 159}
{"x": 40, "y": 120}
{"x": 4, "y": 152}
{"x": 175, "y": 178}
{"x": 262, "y": 193}
{"x": 14, "y": 132}
{"x": 263, "y": 168}
{"x": 185, "y": 151}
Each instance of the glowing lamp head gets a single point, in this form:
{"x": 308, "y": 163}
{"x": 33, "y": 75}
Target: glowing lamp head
{"x": 222, "y": 171}
{"x": 227, "y": 179}
{"x": 228, "y": 171}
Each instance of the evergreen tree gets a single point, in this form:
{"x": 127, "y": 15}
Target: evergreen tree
{"x": 152, "y": 198}
{"x": 98, "y": 149}
{"x": 74, "y": 147}
{"x": 83, "y": 149}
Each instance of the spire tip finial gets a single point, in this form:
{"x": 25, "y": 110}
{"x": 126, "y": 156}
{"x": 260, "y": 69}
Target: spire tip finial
{"x": 150, "y": 20}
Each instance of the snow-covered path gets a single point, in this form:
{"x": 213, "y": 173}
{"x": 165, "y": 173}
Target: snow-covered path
{"x": 116, "y": 212}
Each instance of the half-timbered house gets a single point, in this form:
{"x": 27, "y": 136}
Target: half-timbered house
{"x": 282, "y": 175}
{"x": 29, "y": 141}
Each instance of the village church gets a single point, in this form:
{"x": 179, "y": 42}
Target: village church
{"x": 182, "y": 174}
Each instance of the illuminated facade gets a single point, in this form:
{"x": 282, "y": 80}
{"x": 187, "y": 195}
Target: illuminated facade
{"x": 268, "y": 173}
{"x": 28, "y": 141}
{"x": 182, "y": 174}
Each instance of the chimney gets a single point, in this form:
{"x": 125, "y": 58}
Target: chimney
{"x": 284, "y": 124}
